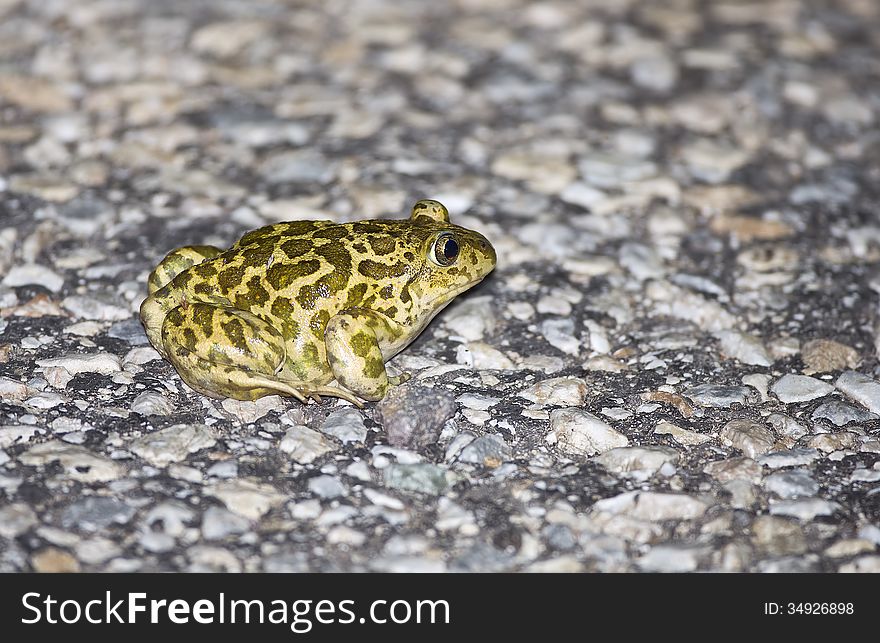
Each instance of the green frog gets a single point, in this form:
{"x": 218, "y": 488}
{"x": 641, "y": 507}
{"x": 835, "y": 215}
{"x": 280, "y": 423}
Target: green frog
{"x": 309, "y": 308}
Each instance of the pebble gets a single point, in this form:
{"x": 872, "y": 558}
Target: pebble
{"x": 327, "y": 487}
{"x": 559, "y": 333}
{"x": 471, "y": 319}
{"x": 129, "y": 330}
{"x": 637, "y": 461}
{"x": 16, "y": 519}
{"x": 792, "y": 483}
{"x": 751, "y": 438}
{"x": 743, "y": 347}
{"x": 346, "y": 425}
{"x": 578, "y": 432}
{"x": 54, "y": 561}
{"x": 173, "y": 444}
{"x": 799, "y": 388}
{"x": 684, "y": 437}
{"x": 33, "y": 275}
{"x": 805, "y": 509}
{"x": 246, "y": 498}
{"x": 831, "y": 442}
{"x": 413, "y": 415}
{"x": 73, "y": 364}
{"x": 778, "y": 536}
{"x": 672, "y": 559}
{"x": 796, "y": 457}
{"x": 736, "y": 468}
{"x": 152, "y": 403}
{"x": 557, "y": 391}
{"x": 429, "y": 479}
{"x": 652, "y": 506}
{"x": 247, "y": 411}
{"x": 98, "y": 307}
{"x": 96, "y": 513}
{"x": 78, "y": 463}
{"x": 787, "y": 426}
{"x": 825, "y": 355}
{"x": 305, "y": 445}
{"x": 840, "y": 413}
{"x": 487, "y": 450}
{"x": 718, "y": 396}
{"x": 861, "y": 389}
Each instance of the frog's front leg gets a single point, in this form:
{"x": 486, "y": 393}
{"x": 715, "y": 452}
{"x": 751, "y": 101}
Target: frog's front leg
{"x": 353, "y": 339}
{"x": 225, "y": 352}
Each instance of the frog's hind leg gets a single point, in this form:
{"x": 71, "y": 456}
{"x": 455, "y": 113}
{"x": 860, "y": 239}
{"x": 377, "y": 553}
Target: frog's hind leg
{"x": 224, "y": 352}
{"x": 176, "y": 261}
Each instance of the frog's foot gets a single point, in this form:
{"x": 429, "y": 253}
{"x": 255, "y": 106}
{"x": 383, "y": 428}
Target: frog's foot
{"x": 352, "y": 340}
{"x": 176, "y": 261}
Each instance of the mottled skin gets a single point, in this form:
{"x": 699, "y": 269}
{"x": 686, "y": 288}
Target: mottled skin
{"x": 293, "y": 306}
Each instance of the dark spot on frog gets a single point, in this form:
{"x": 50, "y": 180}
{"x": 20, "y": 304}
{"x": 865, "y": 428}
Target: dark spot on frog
{"x": 387, "y": 292}
{"x": 230, "y": 277}
{"x": 377, "y": 270}
{"x": 256, "y": 293}
{"x": 281, "y": 275}
{"x": 203, "y": 316}
{"x": 355, "y": 296}
{"x": 382, "y": 244}
{"x": 294, "y": 248}
{"x": 234, "y": 331}
{"x": 362, "y": 343}
{"x": 374, "y": 367}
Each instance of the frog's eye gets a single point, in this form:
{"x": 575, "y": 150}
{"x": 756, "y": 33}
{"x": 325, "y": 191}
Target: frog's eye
{"x": 445, "y": 250}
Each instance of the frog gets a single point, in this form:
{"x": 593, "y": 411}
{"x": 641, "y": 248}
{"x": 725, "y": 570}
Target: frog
{"x": 309, "y": 308}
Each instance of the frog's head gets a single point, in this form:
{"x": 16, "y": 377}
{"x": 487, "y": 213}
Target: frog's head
{"x": 452, "y": 258}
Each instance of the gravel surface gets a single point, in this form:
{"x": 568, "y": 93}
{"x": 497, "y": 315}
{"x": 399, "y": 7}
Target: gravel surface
{"x": 673, "y": 368}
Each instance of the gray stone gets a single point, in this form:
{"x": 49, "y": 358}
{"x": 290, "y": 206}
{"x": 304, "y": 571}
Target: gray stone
{"x": 630, "y": 460}
{"x": 305, "y": 445}
{"x": 424, "y": 478}
{"x": 803, "y": 508}
{"x": 173, "y": 444}
{"x": 413, "y": 415}
{"x": 749, "y": 437}
{"x": 151, "y": 403}
{"x": 346, "y": 425}
{"x": 577, "y": 432}
{"x": 840, "y": 413}
{"x": 327, "y": 487}
{"x": 860, "y": 388}
{"x": 218, "y": 523}
{"x": 129, "y": 330}
{"x": 791, "y": 484}
{"x": 488, "y": 450}
{"x": 789, "y": 458}
{"x": 799, "y": 388}
{"x": 720, "y": 396}
{"x": 96, "y": 513}
{"x": 743, "y": 348}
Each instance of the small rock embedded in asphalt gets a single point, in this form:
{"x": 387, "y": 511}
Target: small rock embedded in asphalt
{"x": 413, "y": 415}
{"x": 173, "y": 444}
{"x": 487, "y": 450}
{"x": 305, "y": 445}
{"x": 799, "y": 388}
{"x": 861, "y": 388}
{"x": 346, "y": 425}
{"x": 577, "y": 432}
{"x": 720, "y": 396}
{"x": 749, "y": 437}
